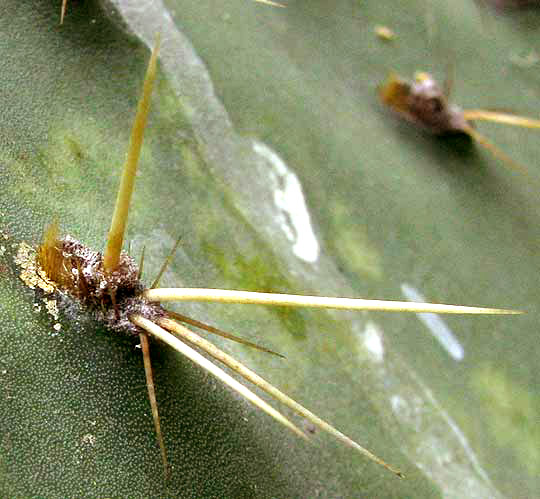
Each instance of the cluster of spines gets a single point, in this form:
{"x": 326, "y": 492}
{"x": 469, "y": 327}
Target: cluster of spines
{"x": 90, "y": 278}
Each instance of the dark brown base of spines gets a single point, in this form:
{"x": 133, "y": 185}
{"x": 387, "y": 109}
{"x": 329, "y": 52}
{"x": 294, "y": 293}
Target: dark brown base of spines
{"x": 112, "y": 297}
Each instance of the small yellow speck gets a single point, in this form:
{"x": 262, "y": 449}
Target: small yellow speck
{"x": 52, "y": 308}
{"x": 384, "y": 33}
{"x": 31, "y": 273}
{"x": 89, "y": 439}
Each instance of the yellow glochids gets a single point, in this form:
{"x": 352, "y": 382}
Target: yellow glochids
{"x": 425, "y": 104}
{"x": 112, "y": 292}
